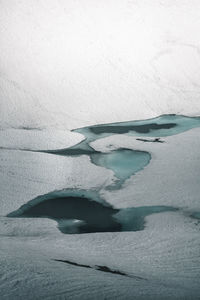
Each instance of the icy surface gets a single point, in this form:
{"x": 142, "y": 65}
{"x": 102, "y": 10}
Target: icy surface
{"x": 33, "y": 139}
{"x": 165, "y": 256}
{"x": 160, "y": 262}
{"x": 71, "y": 64}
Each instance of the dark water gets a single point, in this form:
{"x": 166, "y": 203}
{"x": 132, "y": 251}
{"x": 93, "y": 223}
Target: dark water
{"x": 117, "y": 129}
{"x": 79, "y": 214}
{"x": 72, "y": 151}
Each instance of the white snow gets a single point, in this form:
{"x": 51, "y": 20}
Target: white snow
{"x": 165, "y": 255}
{"x": 68, "y": 64}
{"x": 32, "y": 139}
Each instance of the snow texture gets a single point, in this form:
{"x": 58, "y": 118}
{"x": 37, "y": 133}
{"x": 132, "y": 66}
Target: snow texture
{"x": 69, "y": 64}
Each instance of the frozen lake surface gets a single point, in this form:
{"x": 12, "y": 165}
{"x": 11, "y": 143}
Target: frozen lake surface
{"x": 74, "y": 211}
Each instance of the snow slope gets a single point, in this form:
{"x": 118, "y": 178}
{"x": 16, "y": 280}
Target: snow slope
{"x": 66, "y": 64}
{"x": 165, "y": 257}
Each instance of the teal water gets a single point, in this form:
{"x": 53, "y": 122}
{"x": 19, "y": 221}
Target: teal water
{"x": 196, "y": 215}
{"x": 123, "y": 162}
{"x": 133, "y": 218}
{"x": 161, "y": 126}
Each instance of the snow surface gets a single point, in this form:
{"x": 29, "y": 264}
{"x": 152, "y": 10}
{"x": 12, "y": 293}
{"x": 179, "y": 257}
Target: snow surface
{"x": 162, "y": 261}
{"x": 171, "y": 178}
{"x": 37, "y": 139}
{"x": 68, "y": 64}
